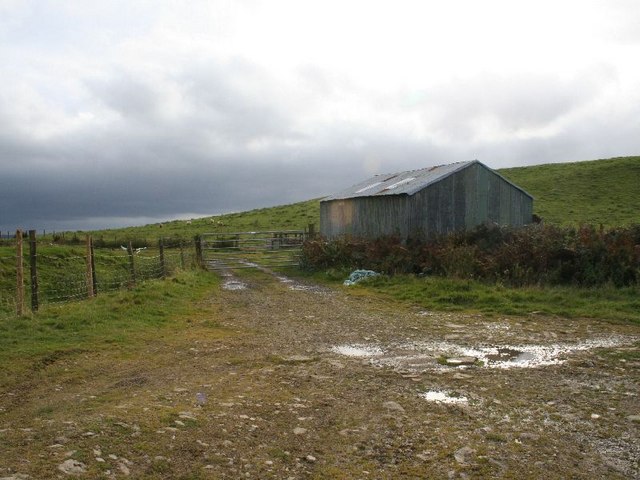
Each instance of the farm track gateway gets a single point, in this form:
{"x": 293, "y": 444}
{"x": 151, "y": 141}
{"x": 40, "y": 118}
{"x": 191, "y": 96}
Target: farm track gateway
{"x": 275, "y": 248}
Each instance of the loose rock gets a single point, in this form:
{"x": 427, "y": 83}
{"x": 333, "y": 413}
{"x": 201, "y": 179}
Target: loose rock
{"x": 393, "y": 406}
{"x": 457, "y": 361}
{"x": 72, "y": 467}
{"x": 464, "y": 455}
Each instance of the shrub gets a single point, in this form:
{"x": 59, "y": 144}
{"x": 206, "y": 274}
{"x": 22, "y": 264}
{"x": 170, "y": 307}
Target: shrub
{"x": 535, "y": 254}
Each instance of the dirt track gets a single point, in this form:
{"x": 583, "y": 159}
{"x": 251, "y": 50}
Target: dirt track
{"x": 315, "y": 383}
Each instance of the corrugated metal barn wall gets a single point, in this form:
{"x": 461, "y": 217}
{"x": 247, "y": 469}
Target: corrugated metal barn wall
{"x": 465, "y": 199}
{"x": 368, "y": 217}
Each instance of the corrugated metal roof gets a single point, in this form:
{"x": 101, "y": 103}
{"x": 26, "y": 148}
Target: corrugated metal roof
{"x": 407, "y": 183}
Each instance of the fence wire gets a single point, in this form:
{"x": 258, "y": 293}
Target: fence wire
{"x": 62, "y": 273}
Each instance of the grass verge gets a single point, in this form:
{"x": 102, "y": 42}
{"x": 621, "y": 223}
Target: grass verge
{"x": 119, "y": 320}
{"x": 455, "y": 295}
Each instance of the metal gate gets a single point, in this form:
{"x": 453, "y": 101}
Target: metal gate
{"x": 277, "y": 248}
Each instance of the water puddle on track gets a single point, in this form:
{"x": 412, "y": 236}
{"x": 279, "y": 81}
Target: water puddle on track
{"x": 438, "y": 396}
{"x": 358, "y": 351}
{"x": 422, "y": 356}
{"x": 300, "y": 287}
{"x": 234, "y": 285}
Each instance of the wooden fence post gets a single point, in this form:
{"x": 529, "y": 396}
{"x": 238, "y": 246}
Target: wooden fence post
{"x": 312, "y": 231}
{"x": 163, "y": 271}
{"x": 181, "y": 256}
{"x": 19, "y": 275}
{"x": 132, "y": 266}
{"x": 34, "y": 270}
{"x": 89, "y": 279}
{"x": 94, "y": 276}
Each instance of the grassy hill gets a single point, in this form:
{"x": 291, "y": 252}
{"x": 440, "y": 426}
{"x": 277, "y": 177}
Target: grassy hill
{"x": 598, "y": 191}
{"x": 296, "y": 216}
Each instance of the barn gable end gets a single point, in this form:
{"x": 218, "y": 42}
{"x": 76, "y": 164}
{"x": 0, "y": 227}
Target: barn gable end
{"x": 424, "y": 203}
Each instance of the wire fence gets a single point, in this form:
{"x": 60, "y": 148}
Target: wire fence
{"x": 54, "y": 274}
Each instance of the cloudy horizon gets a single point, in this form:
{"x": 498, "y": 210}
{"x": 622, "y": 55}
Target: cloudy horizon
{"x": 124, "y": 113}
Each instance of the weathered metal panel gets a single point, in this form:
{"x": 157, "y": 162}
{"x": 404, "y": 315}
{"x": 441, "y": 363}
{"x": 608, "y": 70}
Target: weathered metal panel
{"x": 336, "y": 218}
{"x": 445, "y": 193}
{"x": 493, "y": 198}
{"x": 376, "y": 217}
{"x": 409, "y": 182}
{"x": 432, "y": 213}
{"x": 364, "y": 217}
{"x": 418, "y": 208}
{"x": 526, "y": 210}
{"x": 505, "y": 204}
{"x": 439, "y": 208}
{"x": 482, "y": 194}
{"x": 460, "y": 194}
{"x": 516, "y": 209}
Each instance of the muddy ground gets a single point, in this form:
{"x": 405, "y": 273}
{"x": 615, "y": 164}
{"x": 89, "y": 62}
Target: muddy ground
{"x": 310, "y": 382}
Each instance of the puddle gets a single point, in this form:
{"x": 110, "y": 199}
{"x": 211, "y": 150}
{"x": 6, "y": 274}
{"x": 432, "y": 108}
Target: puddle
{"x": 531, "y": 356}
{"x": 498, "y": 327}
{"x": 443, "y": 397}
{"x": 420, "y": 356}
{"x": 299, "y": 287}
{"x": 234, "y": 285}
{"x": 509, "y": 355}
{"x": 360, "y": 351}
{"x": 284, "y": 279}
{"x": 296, "y": 287}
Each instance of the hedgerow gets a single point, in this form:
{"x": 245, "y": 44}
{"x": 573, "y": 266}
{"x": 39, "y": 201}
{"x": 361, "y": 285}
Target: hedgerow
{"x": 535, "y": 254}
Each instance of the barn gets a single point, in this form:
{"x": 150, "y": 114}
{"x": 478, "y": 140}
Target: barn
{"x": 425, "y": 203}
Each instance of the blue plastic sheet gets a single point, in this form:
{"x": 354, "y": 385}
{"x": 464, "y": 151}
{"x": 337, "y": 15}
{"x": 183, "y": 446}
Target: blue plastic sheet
{"x": 358, "y": 275}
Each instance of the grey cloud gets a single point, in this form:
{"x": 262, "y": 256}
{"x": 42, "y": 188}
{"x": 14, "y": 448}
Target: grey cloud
{"x": 514, "y": 103}
{"x": 127, "y": 95}
{"x": 238, "y": 102}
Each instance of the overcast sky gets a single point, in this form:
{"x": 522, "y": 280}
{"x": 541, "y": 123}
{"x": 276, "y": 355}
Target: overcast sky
{"x": 127, "y": 112}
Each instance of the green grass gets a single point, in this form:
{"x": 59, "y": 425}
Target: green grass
{"x": 296, "y": 216}
{"x": 118, "y": 320}
{"x": 62, "y": 271}
{"x": 599, "y": 191}
{"x": 445, "y": 294}
{"x": 468, "y": 296}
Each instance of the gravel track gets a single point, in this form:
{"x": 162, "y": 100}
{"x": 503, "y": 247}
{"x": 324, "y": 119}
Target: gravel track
{"x": 312, "y": 382}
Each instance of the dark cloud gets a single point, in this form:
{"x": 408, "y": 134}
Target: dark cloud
{"x": 128, "y": 96}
